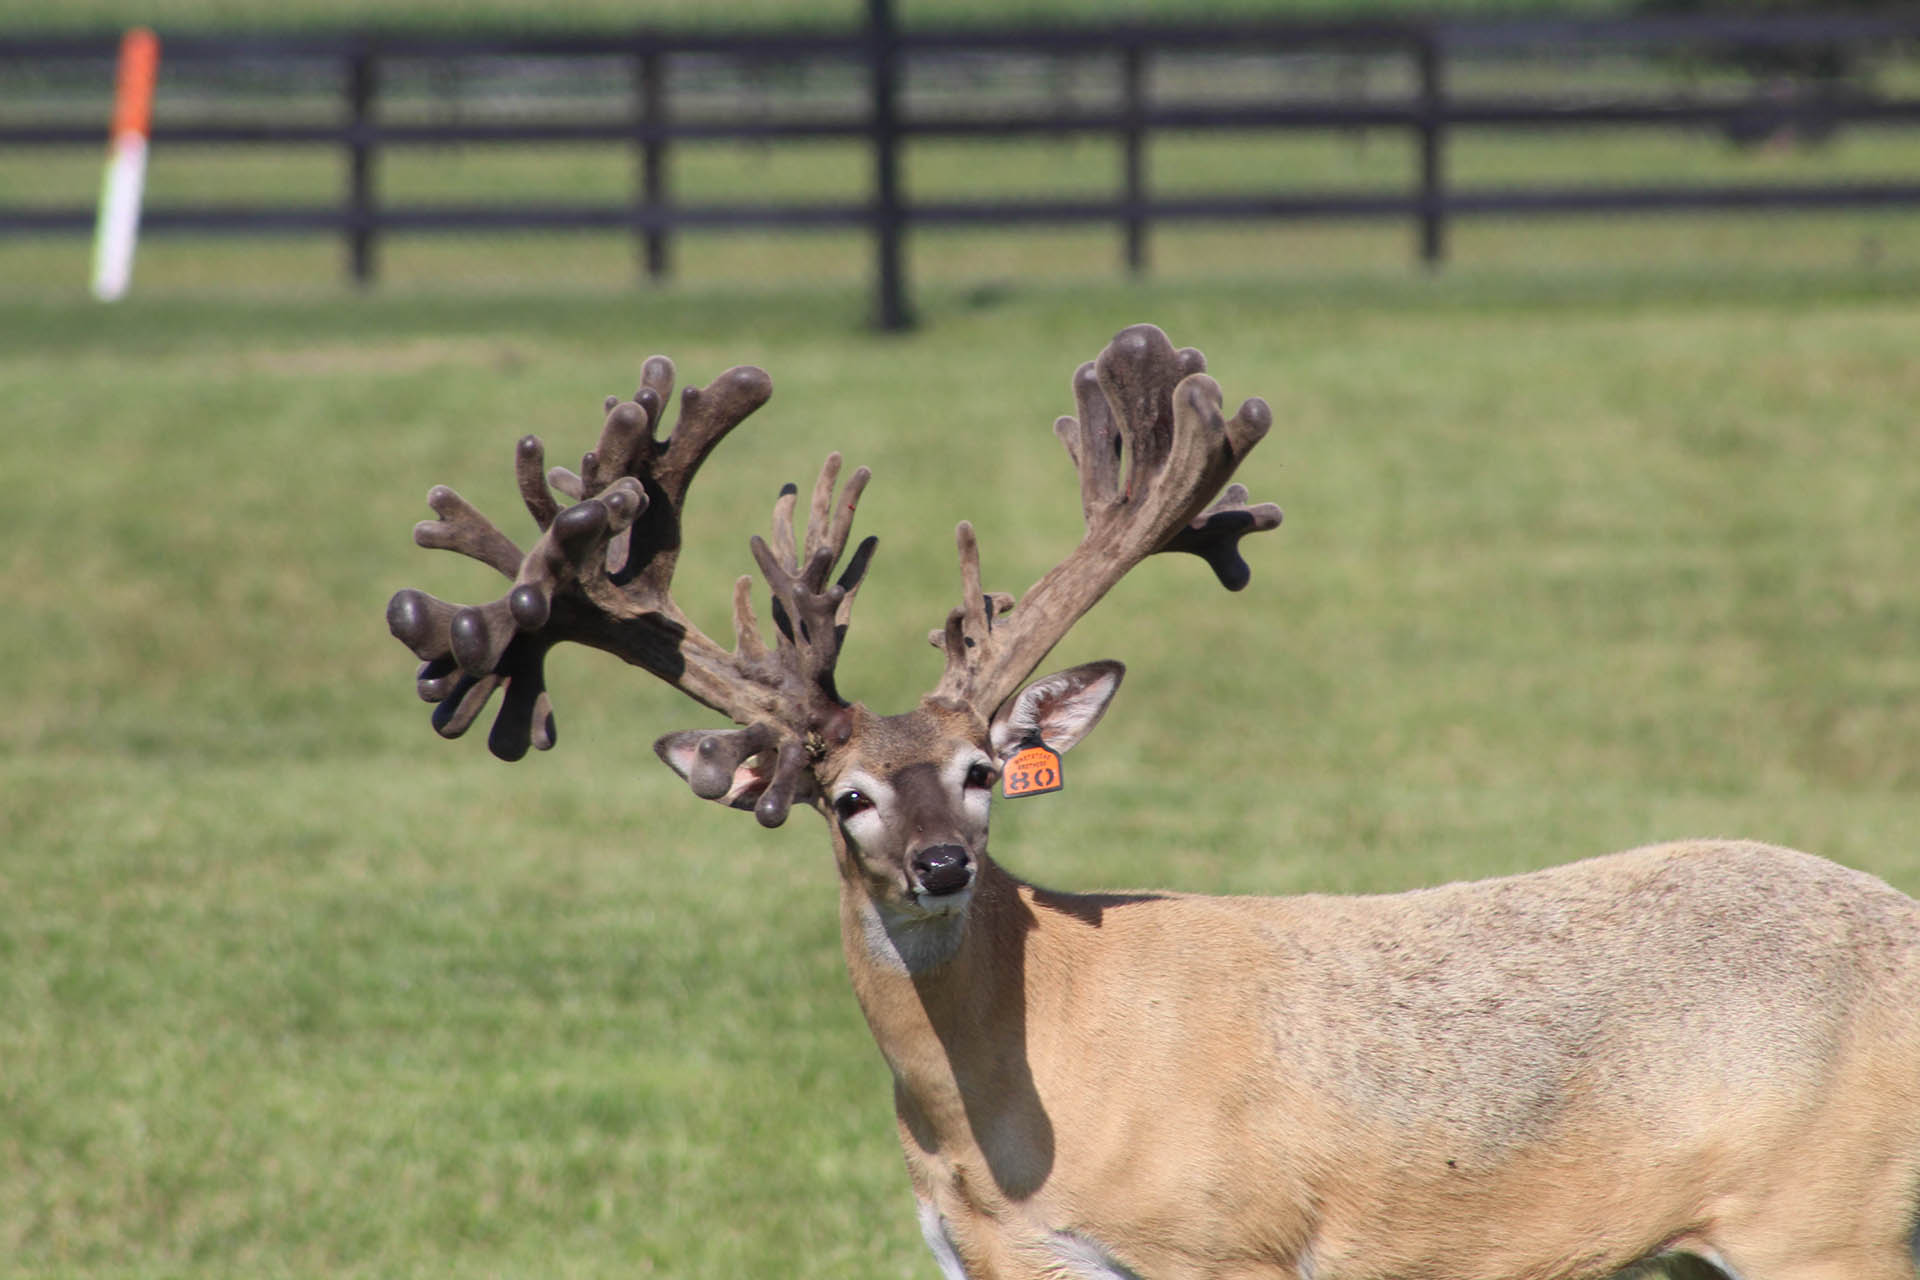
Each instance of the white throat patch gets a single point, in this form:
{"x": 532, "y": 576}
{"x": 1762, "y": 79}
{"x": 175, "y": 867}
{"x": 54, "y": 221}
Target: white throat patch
{"x": 913, "y": 943}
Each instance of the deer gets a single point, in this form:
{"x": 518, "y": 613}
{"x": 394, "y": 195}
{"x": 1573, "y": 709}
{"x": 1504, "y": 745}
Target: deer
{"x": 1703, "y": 1055}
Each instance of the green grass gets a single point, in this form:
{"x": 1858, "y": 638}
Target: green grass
{"x": 1575, "y": 558}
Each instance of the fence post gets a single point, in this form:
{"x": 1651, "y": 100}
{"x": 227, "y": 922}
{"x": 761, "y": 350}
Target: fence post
{"x": 1133, "y": 61}
{"x": 362, "y": 84}
{"x": 883, "y": 55}
{"x": 1432, "y": 128}
{"x": 650, "y": 67}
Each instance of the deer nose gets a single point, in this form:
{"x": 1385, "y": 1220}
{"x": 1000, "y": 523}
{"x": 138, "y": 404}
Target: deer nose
{"x": 942, "y": 869}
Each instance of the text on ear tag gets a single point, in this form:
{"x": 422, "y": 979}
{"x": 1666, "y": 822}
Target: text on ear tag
{"x": 1034, "y": 770}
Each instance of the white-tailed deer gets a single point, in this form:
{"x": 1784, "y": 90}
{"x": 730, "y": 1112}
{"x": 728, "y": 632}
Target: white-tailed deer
{"x": 1705, "y": 1051}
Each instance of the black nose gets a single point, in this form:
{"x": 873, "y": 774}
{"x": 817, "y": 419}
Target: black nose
{"x": 943, "y": 869}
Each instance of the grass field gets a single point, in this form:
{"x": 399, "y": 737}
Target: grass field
{"x": 1576, "y": 557}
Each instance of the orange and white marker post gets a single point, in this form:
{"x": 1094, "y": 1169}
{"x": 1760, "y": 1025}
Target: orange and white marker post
{"x": 118, "y": 225}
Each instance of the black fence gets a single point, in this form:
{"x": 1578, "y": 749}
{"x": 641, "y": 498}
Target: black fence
{"x": 1788, "y": 75}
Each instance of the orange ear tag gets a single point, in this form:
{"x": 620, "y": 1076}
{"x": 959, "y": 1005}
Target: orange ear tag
{"x": 1034, "y": 770}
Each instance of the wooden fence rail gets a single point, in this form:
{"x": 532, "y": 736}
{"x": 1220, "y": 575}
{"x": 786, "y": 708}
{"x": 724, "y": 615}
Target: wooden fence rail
{"x": 882, "y": 54}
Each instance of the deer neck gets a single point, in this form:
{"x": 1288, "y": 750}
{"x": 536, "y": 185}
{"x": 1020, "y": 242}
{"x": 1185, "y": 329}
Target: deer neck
{"x": 938, "y": 996}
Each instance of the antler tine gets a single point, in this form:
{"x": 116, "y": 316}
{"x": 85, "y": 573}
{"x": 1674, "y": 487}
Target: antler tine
{"x": 600, "y": 574}
{"x": 969, "y": 626}
{"x": 462, "y": 528}
{"x": 1214, "y": 535}
{"x": 530, "y": 473}
{"x": 781, "y": 531}
{"x": 809, "y": 616}
{"x": 757, "y": 767}
{"x": 1150, "y": 407}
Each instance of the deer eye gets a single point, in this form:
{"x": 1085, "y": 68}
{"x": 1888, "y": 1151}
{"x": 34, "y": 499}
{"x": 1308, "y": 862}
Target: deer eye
{"x": 848, "y": 804}
{"x": 979, "y": 777}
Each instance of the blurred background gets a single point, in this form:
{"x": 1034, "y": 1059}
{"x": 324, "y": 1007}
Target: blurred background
{"x": 1589, "y": 332}
{"x": 972, "y": 145}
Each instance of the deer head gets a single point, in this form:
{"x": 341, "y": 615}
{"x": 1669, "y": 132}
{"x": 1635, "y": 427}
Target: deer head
{"x": 906, "y": 795}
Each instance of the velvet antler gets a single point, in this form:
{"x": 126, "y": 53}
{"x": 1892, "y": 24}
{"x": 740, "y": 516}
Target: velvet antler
{"x": 600, "y": 574}
{"x": 1149, "y": 413}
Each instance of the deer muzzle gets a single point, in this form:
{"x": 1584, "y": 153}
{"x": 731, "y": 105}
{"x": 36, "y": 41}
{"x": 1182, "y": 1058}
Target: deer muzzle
{"x": 942, "y": 869}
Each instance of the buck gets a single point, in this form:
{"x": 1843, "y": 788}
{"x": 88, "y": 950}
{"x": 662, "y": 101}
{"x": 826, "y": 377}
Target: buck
{"x": 1706, "y": 1053}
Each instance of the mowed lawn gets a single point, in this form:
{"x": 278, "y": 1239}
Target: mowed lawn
{"x": 289, "y": 986}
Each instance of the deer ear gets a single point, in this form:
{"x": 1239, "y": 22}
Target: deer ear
{"x": 1059, "y": 709}
{"x": 720, "y": 771}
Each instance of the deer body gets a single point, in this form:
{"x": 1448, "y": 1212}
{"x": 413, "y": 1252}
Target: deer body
{"x": 1707, "y": 1049}
{"x": 1462, "y": 1082}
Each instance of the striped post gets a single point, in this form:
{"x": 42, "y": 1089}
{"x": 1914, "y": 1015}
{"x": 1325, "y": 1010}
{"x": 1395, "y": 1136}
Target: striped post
{"x": 118, "y": 224}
